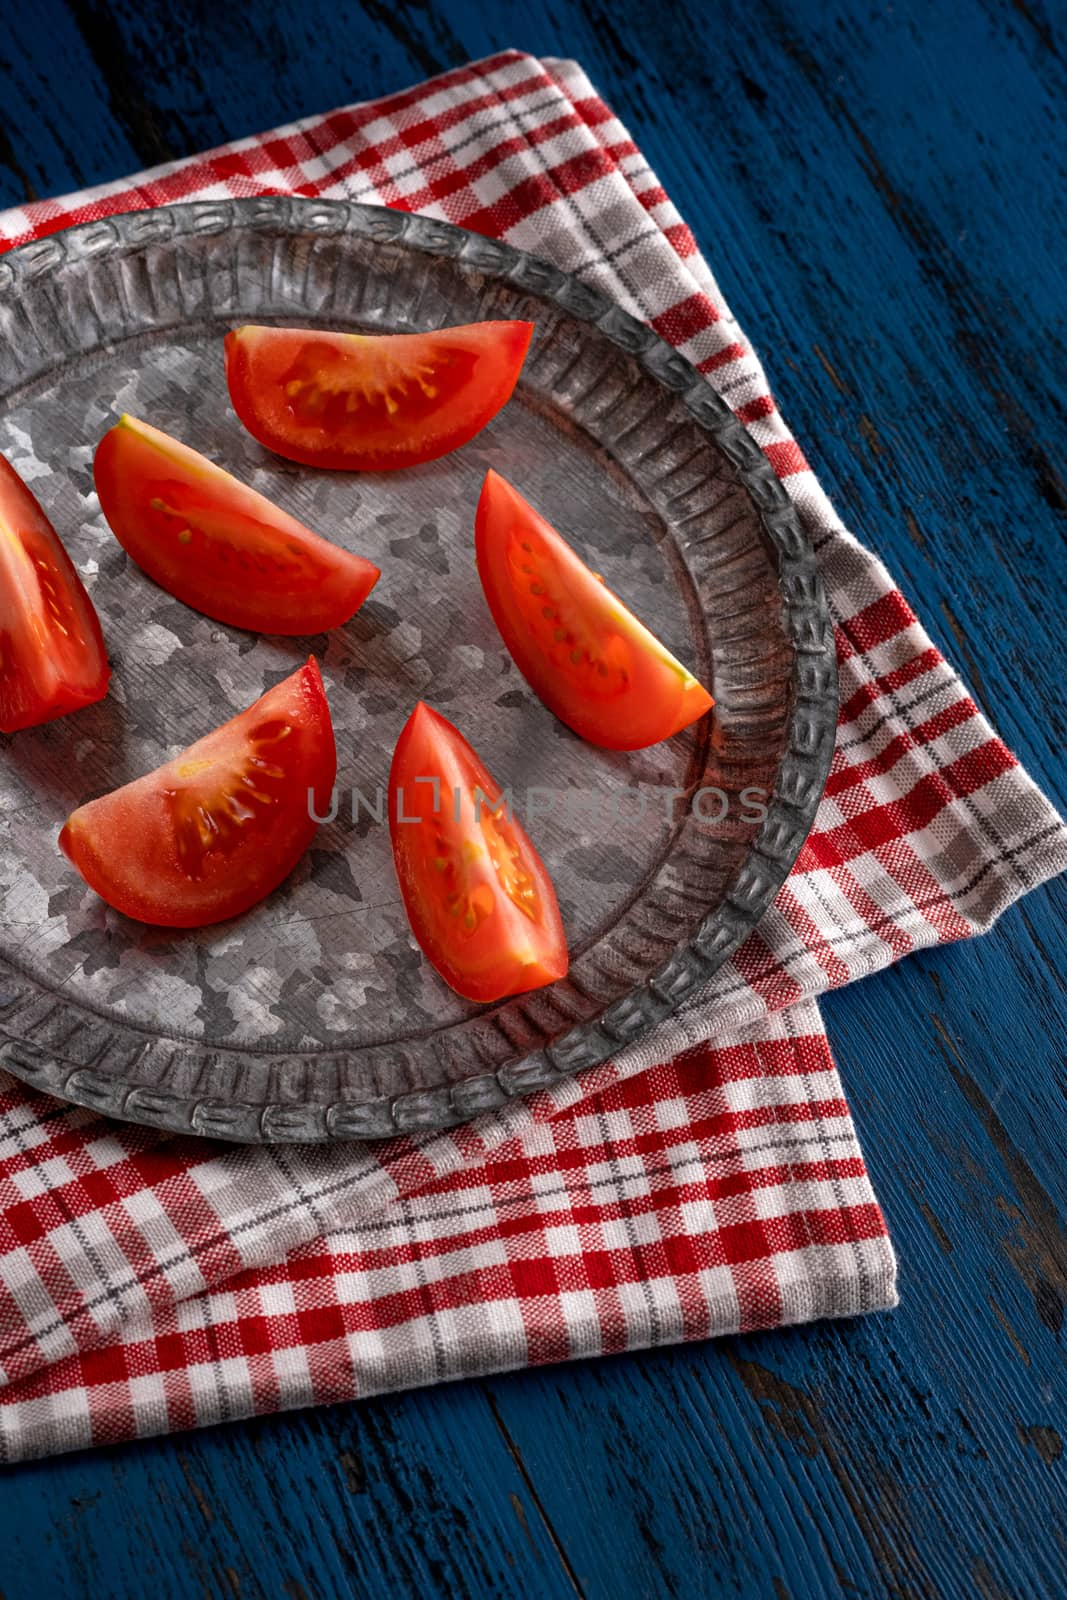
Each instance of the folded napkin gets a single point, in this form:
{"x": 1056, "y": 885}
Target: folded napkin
{"x": 707, "y": 1180}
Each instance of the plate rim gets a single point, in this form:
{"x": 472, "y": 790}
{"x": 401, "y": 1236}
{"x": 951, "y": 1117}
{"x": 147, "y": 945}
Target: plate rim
{"x": 799, "y": 782}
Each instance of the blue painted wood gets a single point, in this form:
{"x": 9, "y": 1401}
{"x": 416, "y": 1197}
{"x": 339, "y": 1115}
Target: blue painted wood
{"x": 881, "y": 192}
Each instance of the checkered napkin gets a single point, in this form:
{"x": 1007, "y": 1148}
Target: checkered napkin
{"x": 708, "y": 1180}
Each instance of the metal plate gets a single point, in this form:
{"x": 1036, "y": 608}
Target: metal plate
{"x": 315, "y": 1016}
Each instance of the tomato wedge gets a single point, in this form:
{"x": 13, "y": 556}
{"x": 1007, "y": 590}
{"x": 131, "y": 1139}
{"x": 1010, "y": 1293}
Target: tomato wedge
{"x": 216, "y": 544}
{"x": 368, "y": 402}
{"x": 477, "y": 895}
{"x": 591, "y": 661}
{"x": 214, "y": 830}
{"x": 52, "y": 657}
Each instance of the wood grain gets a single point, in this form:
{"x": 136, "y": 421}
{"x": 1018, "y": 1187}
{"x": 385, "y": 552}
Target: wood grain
{"x": 881, "y": 193}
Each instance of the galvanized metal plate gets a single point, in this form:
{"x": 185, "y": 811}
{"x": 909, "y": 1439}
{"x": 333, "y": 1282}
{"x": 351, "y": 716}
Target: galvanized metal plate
{"x": 315, "y": 1016}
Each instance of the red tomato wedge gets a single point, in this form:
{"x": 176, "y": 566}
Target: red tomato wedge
{"x": 368, "y": 402}
{"x": 52, "y": 657}
{"x": 216, "y": 544}
{"x": 214, "y": 830}
{"x": 588, "y": 657}
{"x": 477, "y": 895}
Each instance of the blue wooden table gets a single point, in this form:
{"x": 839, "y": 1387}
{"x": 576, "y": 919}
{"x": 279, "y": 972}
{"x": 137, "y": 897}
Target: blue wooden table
{"x": 881, "y": 192}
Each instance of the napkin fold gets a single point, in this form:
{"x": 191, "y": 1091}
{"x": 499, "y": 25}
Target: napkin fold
{"x": 707, "y": 1180}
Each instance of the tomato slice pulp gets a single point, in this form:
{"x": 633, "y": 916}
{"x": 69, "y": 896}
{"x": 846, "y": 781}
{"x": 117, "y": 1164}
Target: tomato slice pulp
{"x": 477, "y": 894}
{"x": 52, "y": 657}
{"x": 369, "y": 402}
{"x": 216, "y": 544}
{"x": 214, "y": 830}
{"x": 579, "y": 647}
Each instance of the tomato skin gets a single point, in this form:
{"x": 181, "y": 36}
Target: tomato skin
{"x": 592, "y": 662}
{"x": 215, "y": 829}
{"x": 216, "y": 544}
{"x": 372, "y": 402}
{"x": 52, "y": 656}
{"x": 477, "y": 894}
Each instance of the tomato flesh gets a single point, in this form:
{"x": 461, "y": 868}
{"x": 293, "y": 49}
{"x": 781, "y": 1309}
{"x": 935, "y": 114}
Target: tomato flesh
{"x": 579, "y": 647}
{"x": 52, "y": 657}
{"x": 477, "y": 894}
{"x": 371, "y": 402}
{"x": 216, "y": 544}
{"x": 214, "y": 830}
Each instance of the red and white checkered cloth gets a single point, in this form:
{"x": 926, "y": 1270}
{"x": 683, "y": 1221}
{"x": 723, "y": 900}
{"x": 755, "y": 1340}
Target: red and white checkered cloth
{"x": 708, "y": 1180}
